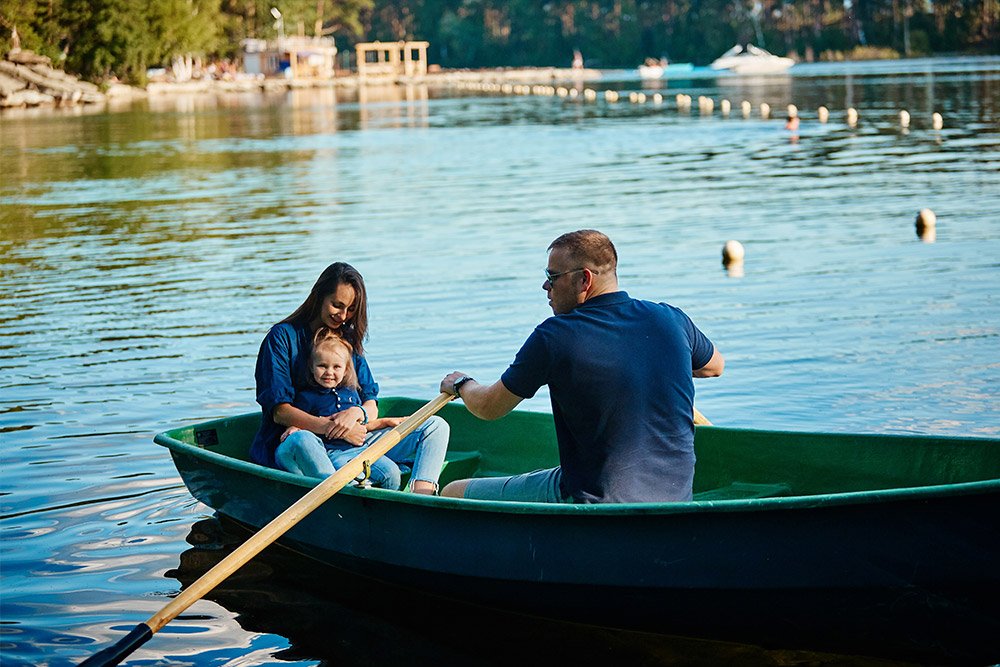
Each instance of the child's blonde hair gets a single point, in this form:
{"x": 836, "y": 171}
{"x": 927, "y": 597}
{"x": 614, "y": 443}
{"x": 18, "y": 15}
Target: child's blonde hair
{"x": 330, "y": 339}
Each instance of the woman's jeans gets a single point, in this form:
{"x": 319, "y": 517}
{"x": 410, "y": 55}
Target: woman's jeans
{"x": 422, "y": 452}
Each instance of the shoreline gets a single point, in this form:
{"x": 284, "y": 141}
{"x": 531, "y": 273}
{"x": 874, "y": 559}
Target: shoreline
{"x": 537, "y": 75}
{"x": 28, "y": 82}
{"x": 30, "y": 86}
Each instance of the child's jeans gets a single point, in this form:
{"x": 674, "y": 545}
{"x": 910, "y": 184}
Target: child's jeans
{"x": 422, "y": 452}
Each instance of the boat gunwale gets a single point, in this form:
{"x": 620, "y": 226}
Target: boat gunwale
{"x": 166, "y": 439}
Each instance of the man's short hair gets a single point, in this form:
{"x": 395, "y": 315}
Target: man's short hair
{"x": 589, "y": 248}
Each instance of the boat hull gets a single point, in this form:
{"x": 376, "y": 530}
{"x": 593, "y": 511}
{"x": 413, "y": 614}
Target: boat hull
{"x": 667, "y": 567}
{"x": 751, "y": 61}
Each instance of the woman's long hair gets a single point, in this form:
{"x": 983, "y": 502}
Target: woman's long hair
{"x": 354, "y": 330}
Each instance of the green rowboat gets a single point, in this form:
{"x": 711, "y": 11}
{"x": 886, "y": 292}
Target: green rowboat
{"x": 829, "y": 535}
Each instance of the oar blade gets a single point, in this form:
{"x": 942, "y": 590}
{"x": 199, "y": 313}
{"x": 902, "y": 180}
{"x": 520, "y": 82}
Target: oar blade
{"x": 121, "y": 649}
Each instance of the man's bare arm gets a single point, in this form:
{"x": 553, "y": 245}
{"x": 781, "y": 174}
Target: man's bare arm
{"x": 713, "y": 368}
{"x": 485, "y": 401}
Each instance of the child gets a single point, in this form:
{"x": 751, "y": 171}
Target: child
{"x": 332, "y": 388}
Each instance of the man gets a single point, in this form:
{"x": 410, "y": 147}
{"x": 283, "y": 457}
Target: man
{"x": 619, "y": 372}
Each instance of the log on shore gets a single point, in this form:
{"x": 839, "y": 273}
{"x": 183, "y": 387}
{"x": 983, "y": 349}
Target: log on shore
{"x": 26, "y": 98}
{"x": 22, "y": 57}
{"x": 10, "y": 85}
{"x": 27, "y": 79}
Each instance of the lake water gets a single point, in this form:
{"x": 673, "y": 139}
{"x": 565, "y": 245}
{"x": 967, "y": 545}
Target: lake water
{"x": 145, "y": 252}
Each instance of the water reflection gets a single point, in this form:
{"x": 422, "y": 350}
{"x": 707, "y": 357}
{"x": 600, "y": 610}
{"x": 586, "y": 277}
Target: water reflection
{"x": 393, "y": 106}
{"x": 341, "y": 619}
{"x": 145, "y": 252}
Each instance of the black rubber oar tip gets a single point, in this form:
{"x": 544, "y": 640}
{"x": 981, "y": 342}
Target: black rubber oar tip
{"x": 114, "y": 654}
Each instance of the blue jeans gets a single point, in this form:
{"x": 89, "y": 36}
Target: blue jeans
{"x": 422, "y": 452}
{"x": 540, "y": 486}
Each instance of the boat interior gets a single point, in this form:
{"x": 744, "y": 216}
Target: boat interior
{"x": 733, "y": 464}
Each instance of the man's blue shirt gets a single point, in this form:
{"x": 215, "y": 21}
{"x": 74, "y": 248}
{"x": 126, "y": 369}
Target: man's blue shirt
{"x": 619, "y": 372}
{"x": 282, "y": 370}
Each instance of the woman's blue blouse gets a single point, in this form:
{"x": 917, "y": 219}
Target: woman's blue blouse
{"x": 282, "y": 368}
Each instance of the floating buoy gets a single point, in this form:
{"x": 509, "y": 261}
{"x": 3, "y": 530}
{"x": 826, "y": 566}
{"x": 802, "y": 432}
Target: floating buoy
{"x": 611, "y": 95}
{"x": 824, "y": 114}
{"x": 724, "y": 107}
{"x": 573, "y": 92}
{"x": 590, "y": 94}
{"x": 926, "y": 218}
{"x": 746, "y": 108}
{"x": 765, "y": 110}
{"x": 633, "y": 97}
{"x": 657, "y": 98}
{"x": 852, "y": 116}
{"x": 732, "y": 253}
{"x": 561, "y": 92}
{"x": 926, "y": 225}
{"x": 793, "y": 118}
{"x": 904, "y": 118}
{"x": 937, "y": 121}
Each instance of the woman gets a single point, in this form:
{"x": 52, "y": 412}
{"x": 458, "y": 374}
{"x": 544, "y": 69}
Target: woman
{"x": 338, "y": 301}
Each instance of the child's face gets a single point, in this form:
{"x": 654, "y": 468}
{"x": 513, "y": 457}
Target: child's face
{"x": 329, "y": 366}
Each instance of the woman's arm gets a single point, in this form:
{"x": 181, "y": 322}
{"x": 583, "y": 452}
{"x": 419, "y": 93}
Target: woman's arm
{"x": 354, "y": 432}
{"x": 343, "y": 422}
{"x": 287, "y": 414}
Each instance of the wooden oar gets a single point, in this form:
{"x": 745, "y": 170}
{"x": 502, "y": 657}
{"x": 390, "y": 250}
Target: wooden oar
{"x": 700, "y": 419}
{"x": 319, "y": 494}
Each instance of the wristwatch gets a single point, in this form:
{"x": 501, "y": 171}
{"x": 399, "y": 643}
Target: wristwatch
{"x": 459, "y": 382}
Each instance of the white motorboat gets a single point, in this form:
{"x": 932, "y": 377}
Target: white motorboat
{"x": 751, "y": 60}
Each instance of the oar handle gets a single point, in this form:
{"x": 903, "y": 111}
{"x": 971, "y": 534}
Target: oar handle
{"x": 700, "y": 419}
{"x": 266, "y": 535}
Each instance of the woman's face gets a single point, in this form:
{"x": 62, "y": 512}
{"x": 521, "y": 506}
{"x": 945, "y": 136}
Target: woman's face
{"x": 337, "y": 308}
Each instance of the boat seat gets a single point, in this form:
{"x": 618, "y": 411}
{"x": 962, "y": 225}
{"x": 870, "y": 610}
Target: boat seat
{"x": 457, "y": 465}
{"x": 744, "y": 491}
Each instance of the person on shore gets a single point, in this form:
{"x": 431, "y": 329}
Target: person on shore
{"x": 619, "y": 372}
{"x": 338, "y": 301}
{"x": 333, "y": 387}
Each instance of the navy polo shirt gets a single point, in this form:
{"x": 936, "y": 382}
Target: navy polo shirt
{"x": 282, "y": 371}
{"x": 619, "y": 372}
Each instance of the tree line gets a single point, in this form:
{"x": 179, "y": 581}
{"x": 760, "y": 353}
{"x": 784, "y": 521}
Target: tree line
{"x": 99, "y": 39}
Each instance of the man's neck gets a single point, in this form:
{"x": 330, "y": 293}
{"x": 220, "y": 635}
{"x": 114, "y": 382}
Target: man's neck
{"x": 601, "y": 288}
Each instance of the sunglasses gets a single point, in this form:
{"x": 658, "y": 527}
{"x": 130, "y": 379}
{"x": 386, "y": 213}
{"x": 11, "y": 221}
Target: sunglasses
{"x": 551, "y": 277}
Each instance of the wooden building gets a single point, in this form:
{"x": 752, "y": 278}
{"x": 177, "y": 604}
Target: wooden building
{"x": 390, "y": 59}
{"x": 296, "y": 57}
